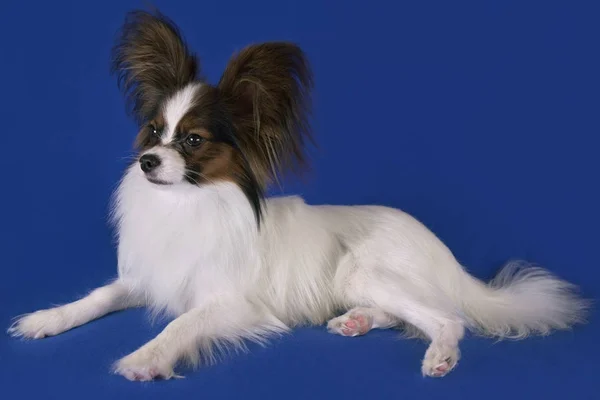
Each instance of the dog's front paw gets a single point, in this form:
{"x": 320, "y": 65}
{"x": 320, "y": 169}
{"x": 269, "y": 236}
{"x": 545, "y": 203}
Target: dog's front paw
{"x": 40, "y": 324}
{"x": 145, "y": 364}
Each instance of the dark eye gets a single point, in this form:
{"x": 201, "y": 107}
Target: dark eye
{"x": 194, "y": 140}
{"x": 154, "y": 130}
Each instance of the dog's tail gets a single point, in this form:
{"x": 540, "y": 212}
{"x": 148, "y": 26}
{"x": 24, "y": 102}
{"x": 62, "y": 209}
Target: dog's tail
{"x": 521, "y": 300}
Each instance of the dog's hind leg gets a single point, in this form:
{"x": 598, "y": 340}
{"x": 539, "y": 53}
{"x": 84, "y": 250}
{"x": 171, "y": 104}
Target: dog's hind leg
{"x": 442, "y": 329}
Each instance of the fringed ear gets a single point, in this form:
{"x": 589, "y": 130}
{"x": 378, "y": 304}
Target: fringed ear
{"x": 266, "y": 88}
{"x": 151, "y": 61}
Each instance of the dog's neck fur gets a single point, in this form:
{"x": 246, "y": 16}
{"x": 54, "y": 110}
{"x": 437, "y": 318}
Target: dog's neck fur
{"x": 178, "y": 243}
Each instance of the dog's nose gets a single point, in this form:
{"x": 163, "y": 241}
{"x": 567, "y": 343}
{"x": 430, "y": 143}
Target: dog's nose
{"x": 148, "y": 162}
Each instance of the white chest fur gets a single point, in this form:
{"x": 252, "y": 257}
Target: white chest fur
{"x": 179, "y": 246}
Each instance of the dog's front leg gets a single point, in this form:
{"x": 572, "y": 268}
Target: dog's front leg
{"x": 192, "y": 336}
{"x": 53, "y": 321}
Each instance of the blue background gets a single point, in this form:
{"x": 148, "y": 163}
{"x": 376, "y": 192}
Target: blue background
{"x": 481, "y": 118}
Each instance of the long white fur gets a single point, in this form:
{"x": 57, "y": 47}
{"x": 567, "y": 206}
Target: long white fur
{"x": 196, "y": 253}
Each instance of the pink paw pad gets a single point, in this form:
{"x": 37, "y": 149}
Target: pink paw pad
{"x": 442, "y": 369}
{"x": 141, "y": 375}
{"x": 356, "y": 325}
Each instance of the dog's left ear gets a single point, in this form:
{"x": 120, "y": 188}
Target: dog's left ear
{"x": 266, "y": 88}
{"x": 151, "y": 61}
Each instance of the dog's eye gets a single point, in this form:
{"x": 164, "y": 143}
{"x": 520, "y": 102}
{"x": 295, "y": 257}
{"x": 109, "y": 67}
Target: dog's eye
{"x": 194, "y": 140}
{"x": 154, "y": 130}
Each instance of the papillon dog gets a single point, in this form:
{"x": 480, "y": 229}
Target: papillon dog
{"x": 199, "y": 241}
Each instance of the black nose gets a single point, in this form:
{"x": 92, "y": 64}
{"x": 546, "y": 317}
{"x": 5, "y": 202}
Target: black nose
{"x": 148, "y": 162}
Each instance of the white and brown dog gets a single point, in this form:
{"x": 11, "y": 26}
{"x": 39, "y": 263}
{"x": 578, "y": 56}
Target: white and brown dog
{"x": 199, "y": 241}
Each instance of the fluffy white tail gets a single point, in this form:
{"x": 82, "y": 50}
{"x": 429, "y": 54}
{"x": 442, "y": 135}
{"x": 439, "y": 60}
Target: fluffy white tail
{"x": 521, "y": 300}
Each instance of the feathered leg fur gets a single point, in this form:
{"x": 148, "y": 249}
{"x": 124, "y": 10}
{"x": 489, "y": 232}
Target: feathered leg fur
{"x": 196, "y": 334}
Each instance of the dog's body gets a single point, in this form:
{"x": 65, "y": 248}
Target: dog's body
{"x": 198, "y": 242}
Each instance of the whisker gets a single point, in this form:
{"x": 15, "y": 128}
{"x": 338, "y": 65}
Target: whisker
{"x": 199, "y": 174}
{"x": 128, "y": 157}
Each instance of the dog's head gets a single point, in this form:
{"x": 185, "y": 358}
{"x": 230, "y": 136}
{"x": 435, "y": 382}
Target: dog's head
{"x": 246, "y": 129}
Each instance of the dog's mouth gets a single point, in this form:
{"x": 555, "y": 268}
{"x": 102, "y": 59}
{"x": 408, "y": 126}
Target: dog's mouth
{"x": 157, "y": 181}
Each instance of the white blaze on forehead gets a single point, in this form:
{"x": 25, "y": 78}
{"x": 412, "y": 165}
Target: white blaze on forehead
{"x": 176, "y": 107}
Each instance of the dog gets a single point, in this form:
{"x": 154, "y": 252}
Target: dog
{"x": 198, "y": 239}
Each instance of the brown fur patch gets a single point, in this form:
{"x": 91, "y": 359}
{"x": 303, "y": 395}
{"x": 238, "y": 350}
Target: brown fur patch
{"x": 146, "y": 138}
{"x": 195, "y": 122}
{"x": 215, "y": 162}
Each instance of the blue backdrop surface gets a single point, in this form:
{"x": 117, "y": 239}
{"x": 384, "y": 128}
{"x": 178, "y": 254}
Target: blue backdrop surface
{"x": 481, "y": 118}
